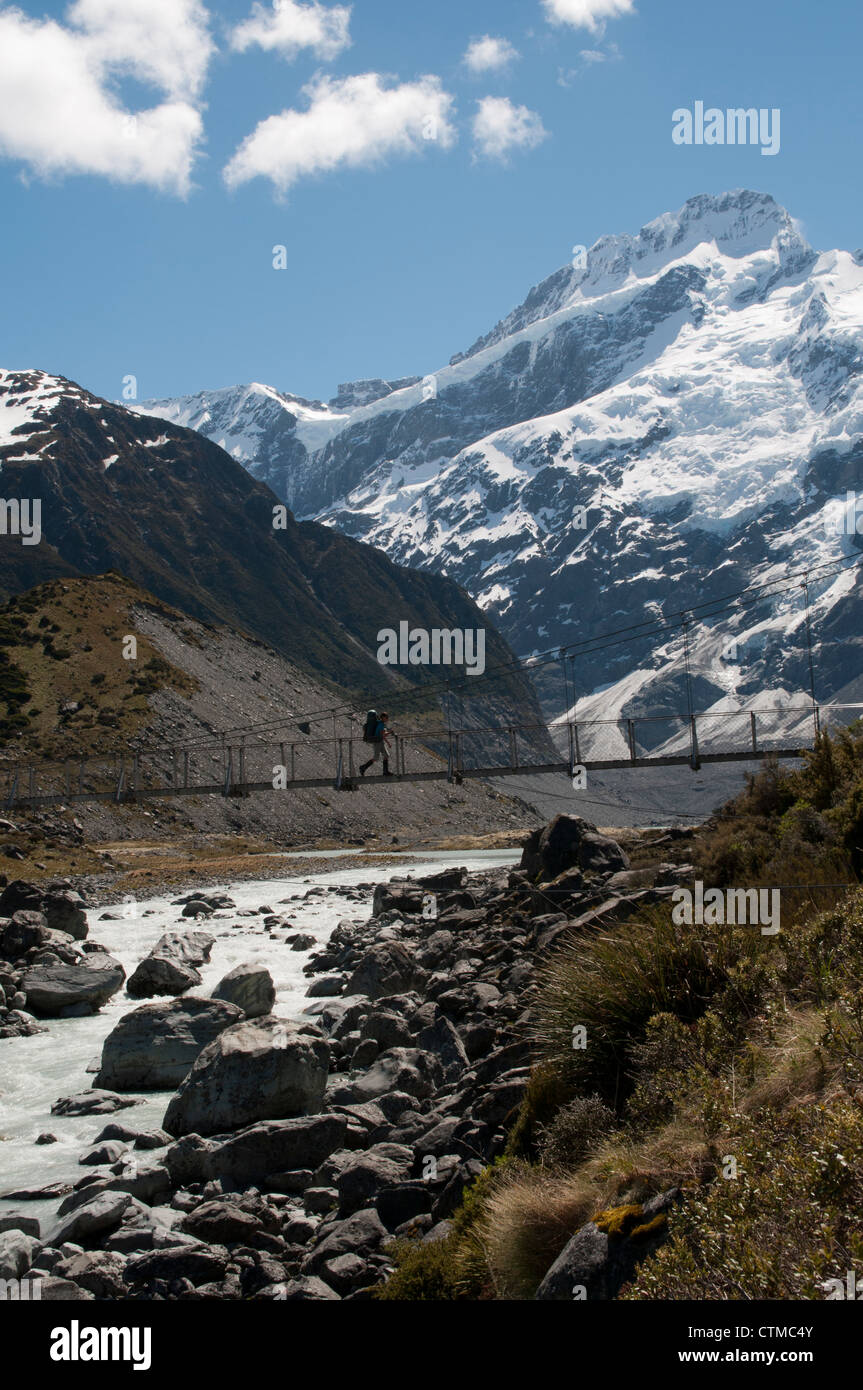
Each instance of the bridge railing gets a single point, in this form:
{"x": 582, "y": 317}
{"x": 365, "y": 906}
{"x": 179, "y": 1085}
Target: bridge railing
{"x": 235, "y": 764}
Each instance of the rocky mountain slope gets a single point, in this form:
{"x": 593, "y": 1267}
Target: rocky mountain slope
{"x": 671, "y": 418}
{"x": 176, "y": 514}
{"x": 66, "y": 691}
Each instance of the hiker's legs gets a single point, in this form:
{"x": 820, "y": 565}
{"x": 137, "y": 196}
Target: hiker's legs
{"x": 376, "y": 757}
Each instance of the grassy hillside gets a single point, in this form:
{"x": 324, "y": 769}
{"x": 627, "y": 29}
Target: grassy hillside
{"x": 719, "y": 1060}
{"x": 64, "y": 682}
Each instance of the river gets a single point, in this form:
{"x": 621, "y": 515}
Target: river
{"x": 35, "y": 1072}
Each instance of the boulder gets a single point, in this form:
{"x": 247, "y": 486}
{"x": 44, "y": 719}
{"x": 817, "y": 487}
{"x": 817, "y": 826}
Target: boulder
{"x": 193, "y": 947}
{"x": 278, "y": 1146}
{"x": 95, "y": 1102}
{"x": 360, "y": 1234}
{"x": 446, "y": 881}
{"x": 444, "y": 1041}
{"x": 308, "y": 1287}
{"x": 94, "y": 1219}
{"x": 258, "y": 1070}
{"x": 53, "y": 989}
{"x": 399, "y": 897}
{"x": 19, "y": 895}
{"x": 17, "y": 1253}
{"x": 387, "y": 1028}
{"x": 64, "y": 910}
{"x": 26, "y": 930}
{"x": 199, "y": 1264}
{"x": 154, "y": 1047}
{"x": 603, "y": 1255}
{"x": 171, "y": 966}
{"x": 17, "y": 1221}
{"x": 386, "y": 969}
{"x": 103, "y": 1154}
{"x": 101, "y": 1272}
{"x": 327, "y": 987}
{"x": 250, "y": 988}
{"x": 570, "y": 842}
{"x": 367, "y": 1173}
{"x": 53, "y": 1290}
{"x": 221, "y": 1222}
{"x": 198, "y": 908}
{"x": 400, "y": 1069}
{"x": 158, "y": 976}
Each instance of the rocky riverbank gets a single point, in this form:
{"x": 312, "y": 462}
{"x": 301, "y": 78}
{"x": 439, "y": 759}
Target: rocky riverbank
{"x": 293, "y": 1157}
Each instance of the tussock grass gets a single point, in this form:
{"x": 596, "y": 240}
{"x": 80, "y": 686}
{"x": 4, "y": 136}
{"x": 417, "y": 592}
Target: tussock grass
{"x": 719, "y": 1061}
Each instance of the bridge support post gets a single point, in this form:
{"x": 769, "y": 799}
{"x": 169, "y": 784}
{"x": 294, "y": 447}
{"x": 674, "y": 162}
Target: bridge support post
{"x": 31, "y": 787}
{"x": 630, "y": 725}
{"x": 121, "y": 781}
{"x": 339, "y": 768}
{"x": 242, "y": 769}
{"x": 752, "y": 728}
{"x": 229, "y": 771}
{"x": 513, "y": 748}
{"x": 13, "y": 792}
{"x": 694, "y": 761}
{"x": 136, "y": 772}
{"x": 577, "y": 749}
{"x": 351, "y": 769}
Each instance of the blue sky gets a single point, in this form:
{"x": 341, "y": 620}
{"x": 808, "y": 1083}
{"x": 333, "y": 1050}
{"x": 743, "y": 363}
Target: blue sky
{"x": 111, "y": 266}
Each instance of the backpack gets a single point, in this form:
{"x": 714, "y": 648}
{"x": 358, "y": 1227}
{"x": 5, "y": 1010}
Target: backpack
{"x": 370, "y": 727}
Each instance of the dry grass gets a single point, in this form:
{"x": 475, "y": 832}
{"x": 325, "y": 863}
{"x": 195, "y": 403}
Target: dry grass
{"x": 533, "y": 1212}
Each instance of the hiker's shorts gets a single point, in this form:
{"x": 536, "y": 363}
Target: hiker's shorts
{"x": 379, "y": 751}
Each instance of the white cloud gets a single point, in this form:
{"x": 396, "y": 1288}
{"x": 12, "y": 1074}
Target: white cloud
{"x": 499, "y": 127}
{"x": 288, "y": 27}
{"x": 352, "y": 122}
{"x": 59, "y": 112}
{"x": 586, "y": 14}
{"x": 489, "y": 54}
{"x": 163, "y": 42}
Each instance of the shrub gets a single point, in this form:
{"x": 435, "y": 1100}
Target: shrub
{"x": 787, "y": 1222}
{"x": 575, "y": 1131}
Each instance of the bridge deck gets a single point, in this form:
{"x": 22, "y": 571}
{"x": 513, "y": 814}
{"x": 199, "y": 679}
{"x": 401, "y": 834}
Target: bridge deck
{"x": 375, "y": 780}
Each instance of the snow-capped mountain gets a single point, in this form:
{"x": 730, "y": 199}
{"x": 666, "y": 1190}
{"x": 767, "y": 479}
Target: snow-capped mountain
{"x": 89, "y": 487}
{"x": 676, "y": 418}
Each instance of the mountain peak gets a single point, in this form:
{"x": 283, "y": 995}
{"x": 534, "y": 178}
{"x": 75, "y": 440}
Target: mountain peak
{"x": 738, "y": 222}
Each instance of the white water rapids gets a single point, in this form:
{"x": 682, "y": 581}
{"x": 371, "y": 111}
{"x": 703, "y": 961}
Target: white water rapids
{"x": 36, "y": 1071}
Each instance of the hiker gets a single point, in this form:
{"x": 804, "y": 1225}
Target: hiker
{"x": 377, "y": 735}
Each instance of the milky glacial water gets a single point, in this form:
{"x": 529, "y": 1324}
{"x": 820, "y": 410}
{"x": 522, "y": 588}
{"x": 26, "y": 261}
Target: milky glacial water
{"x": 35, "y": 1072}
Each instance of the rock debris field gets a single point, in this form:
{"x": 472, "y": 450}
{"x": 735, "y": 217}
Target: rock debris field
{"x": 269, "y": 1131}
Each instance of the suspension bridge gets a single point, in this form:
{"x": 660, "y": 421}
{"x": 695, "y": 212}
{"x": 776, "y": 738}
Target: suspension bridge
{"x": 247, "y": 763}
